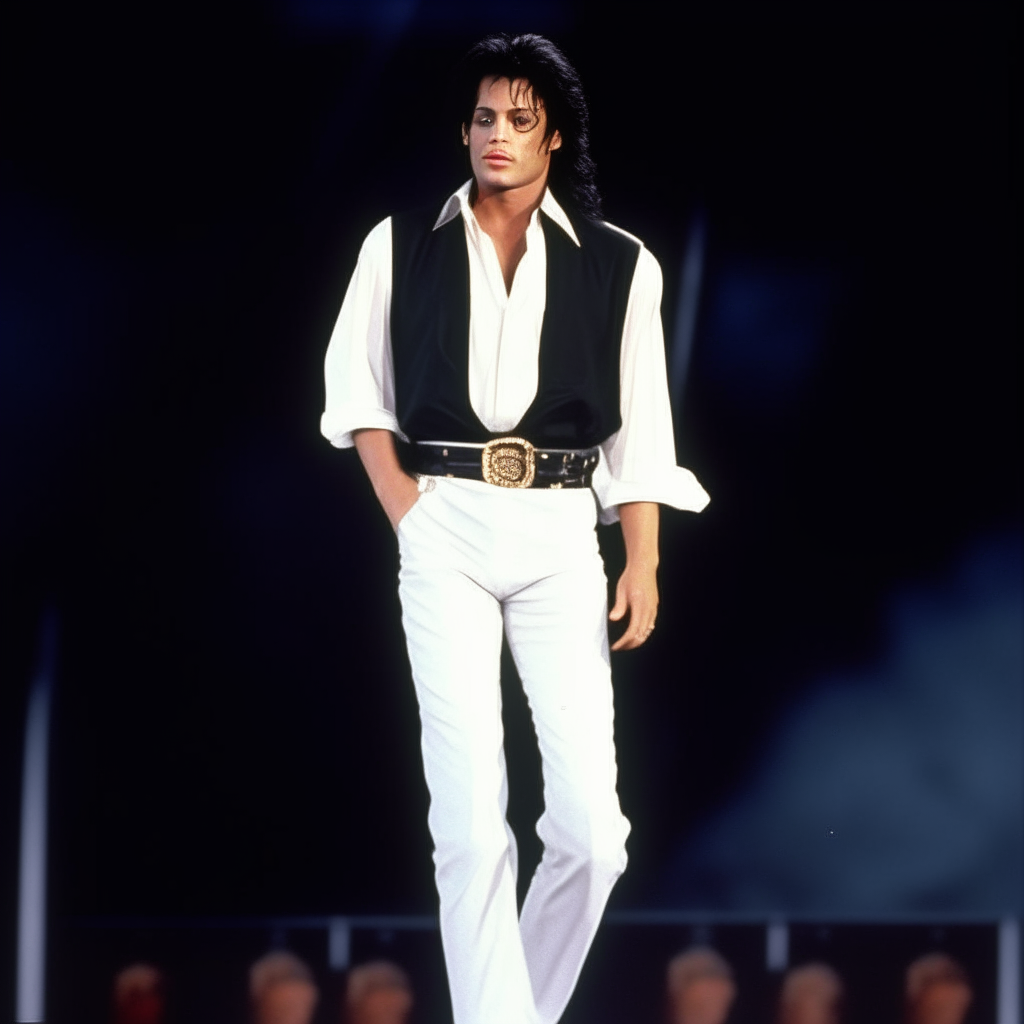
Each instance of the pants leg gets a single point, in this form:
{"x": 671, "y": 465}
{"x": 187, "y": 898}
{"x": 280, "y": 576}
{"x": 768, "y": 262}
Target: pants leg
{"x": 453, "y": 630}
{"x": 475, "y": 559}
{"x": 557, "y": 632}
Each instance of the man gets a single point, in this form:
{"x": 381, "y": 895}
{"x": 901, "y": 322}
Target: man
{"x": 937, "y": 991}
{"x": 515, "y": 342}
{"x": 700, "y": 987}
{"x": 139, "y": 995}
{"x": 811, "y": 994}
{"x": 378, "y": 993}
{"x": 282, "y": 990}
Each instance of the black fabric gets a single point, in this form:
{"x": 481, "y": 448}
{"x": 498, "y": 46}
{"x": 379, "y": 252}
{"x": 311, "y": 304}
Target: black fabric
{"x": 577, "y": 401}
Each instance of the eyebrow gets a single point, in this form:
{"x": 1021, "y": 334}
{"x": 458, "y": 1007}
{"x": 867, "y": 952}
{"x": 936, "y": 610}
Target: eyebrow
{"x": 514, "y": 110}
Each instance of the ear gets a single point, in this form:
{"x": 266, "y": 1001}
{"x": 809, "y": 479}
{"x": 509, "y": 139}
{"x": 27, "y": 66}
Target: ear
{"x": 555, "y": 142}
{"x": 465, "y": 136}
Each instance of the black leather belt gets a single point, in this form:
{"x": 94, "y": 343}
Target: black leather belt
{"x": 507, "y": 462}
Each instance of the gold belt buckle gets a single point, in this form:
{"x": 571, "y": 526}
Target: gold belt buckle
{"x": 509, "y": 462}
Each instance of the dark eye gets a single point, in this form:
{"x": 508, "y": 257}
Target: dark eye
{"x": 524, "y": 122}
{"x": 483, "y": 120}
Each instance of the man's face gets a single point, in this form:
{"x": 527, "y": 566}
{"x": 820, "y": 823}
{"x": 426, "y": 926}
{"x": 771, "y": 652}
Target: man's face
{"x": 507, "y": 147}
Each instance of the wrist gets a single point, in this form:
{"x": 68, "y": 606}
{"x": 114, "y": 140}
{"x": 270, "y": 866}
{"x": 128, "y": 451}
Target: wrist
{"x": 646, "y": 561}
{"x": 391, "y": 481}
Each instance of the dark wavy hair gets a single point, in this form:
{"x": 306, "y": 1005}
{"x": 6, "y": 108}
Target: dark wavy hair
{"x": 556, "y": 82}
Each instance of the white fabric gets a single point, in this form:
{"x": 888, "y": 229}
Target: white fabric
{"x": 504, "y": 327}
{"x": 638, "y": 461}
{"x": 475, "y": 559}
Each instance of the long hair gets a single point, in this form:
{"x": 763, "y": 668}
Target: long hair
{"x": 555, "y": 81}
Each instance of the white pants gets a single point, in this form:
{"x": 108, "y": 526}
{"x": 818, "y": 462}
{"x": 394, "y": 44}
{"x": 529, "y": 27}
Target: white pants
{"x": 476, "y": 558}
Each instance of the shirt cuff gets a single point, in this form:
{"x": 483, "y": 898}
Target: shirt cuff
{"x": 675, "y": 487}
{"x": 338, "y": 426}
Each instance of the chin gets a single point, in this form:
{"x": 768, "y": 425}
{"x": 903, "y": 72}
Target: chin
{"x": 501, "y": 182}
{"x": 494, "y": 177}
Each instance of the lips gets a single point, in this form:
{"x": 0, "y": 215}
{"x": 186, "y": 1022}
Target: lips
{"x": 498, "y": 158}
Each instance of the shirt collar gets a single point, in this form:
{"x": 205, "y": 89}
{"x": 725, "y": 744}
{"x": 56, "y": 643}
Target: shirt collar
{"x": 458, "y": 202}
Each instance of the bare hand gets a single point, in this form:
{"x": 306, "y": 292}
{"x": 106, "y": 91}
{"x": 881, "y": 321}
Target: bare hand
{"x": 396, "y": 491}
{"x": 398, "y": 498}
{"x": 636, "y": 593}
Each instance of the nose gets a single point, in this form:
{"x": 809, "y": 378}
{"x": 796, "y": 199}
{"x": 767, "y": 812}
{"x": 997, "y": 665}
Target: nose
{"x": 499, "y": 131}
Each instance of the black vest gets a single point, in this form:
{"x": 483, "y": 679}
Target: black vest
{"x": 577, "y": 400}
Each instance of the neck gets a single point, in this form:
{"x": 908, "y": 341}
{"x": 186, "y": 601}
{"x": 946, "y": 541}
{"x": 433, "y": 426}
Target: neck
{"x": 499, "y": 211}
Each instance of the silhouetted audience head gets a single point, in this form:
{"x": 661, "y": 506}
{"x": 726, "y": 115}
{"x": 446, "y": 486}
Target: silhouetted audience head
{"x": 282, "y": 990}
{"x": 700, "y": 987}
{"x": 139, "y": 995}
{"x": 378, "y": 993}
{"x": 937, "y": 991}
{"x": 811, "y": 994}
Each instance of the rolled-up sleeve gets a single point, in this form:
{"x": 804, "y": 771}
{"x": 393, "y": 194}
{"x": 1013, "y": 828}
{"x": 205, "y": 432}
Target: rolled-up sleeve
{"x": 358, "y": 372}
{"x": 639, "y": 460}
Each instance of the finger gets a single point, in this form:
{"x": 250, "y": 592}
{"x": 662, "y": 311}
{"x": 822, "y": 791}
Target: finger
{"x": 627, "y": 642}
{"x": 628, "y": 602}
{"x": 634, "y": 637}
{"x": 630, "y": 639}
{"x": 623, "y": 643}
{"x": 621, "y": 605}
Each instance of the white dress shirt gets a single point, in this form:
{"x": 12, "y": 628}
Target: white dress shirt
{"x": 638, "y": 461}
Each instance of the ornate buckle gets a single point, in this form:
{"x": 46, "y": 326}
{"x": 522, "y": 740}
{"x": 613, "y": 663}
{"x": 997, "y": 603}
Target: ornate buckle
{"x": 508, "y": 462}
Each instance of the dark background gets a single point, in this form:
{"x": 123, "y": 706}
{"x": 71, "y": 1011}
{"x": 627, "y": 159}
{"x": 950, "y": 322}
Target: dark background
{"x": 185, "y": 189}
